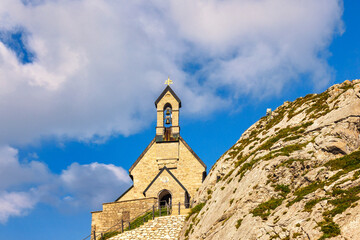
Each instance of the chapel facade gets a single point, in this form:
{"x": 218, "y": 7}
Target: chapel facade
{"x": 168, "y": 171}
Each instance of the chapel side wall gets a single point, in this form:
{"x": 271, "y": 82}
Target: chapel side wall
{"x": 189, "y": 171}
{"x": 145, "y": 171}
{"x": 112, "y": 213}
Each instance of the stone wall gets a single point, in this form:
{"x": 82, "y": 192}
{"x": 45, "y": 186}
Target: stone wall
{"x": 188, "y": 171}
{"x": 112, "y": 213}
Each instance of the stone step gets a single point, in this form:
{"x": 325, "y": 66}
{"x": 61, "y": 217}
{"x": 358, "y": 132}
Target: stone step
{"x": 167, "y": 227}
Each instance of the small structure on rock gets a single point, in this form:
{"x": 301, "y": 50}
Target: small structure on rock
{"x": 167, "y": 172}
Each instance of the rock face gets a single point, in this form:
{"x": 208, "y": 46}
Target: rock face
{"x": 291, "y": 175}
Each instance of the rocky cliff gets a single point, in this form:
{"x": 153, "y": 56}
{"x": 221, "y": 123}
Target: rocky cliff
{"x": 291, "y": 175}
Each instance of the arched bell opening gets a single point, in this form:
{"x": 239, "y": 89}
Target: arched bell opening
{"x": 167, "y": 115}
{"x": 165, "y": 198}
{"x": 167, "y": 122}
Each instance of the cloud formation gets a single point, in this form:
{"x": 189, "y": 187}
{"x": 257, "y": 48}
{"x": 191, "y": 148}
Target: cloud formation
{"x": 25, "y": 184}
{"x": 98, "y": 65}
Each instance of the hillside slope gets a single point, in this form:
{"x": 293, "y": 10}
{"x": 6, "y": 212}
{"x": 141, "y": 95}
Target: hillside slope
{"x": 294, "y": 175}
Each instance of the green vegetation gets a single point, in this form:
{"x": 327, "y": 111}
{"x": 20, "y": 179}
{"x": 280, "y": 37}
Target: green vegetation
{"x": 346, "y": 163}
{"x": 291, "y": 138}
{"x": 264, "y": 209}
{"x": 135, "y": 223}
{"x": 346, "y": 86}
{"x": 356, "y": 175}
{"x": 188, "y": 230}
{"x": 245, "y": 167}
{"x": 329, "y": 228}
{"x": 195, "y": 210}
{"x": 231, "y": 201}
{"x": 302, "y": 192}
{"x": 344, "y": 199}
{"x": 310, "y": 204}
{"x": 238, "y": 223}
{"x": 109, "y": 235}
{"x": 283, "y": 189}
{"x": 290, "y": 161}
{"x": 296, "y": 234}
{"x": 298, "y": 103}
{"x": 228, "y": 174}
{"x": 319, "y": 107}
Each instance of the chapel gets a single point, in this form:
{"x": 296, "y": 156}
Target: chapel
{"x": 168, "y": 171}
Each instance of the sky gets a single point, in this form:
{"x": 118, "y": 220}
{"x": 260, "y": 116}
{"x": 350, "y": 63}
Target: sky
{"x": 78, "y": 81}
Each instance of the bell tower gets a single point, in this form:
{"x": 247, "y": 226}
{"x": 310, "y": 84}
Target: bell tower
{"x": 167, "y": 106}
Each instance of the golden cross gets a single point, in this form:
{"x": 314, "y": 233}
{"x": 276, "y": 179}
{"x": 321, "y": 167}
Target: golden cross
{"x": 168, "y": 81}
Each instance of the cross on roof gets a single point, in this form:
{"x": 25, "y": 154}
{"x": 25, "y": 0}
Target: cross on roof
{"x": 168, "y": 81}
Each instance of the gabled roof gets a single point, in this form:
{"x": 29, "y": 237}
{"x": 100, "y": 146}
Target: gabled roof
{"x": 142, "y": 154}
{"x": 161, "y": 171}
{"x": 168, "y": 88}
{"x": 192, "y": 151}
{"x": 124, "y": 193}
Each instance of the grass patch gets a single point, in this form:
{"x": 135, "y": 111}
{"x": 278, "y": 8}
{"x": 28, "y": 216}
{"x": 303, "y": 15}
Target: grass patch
{"x": 195, "y": 210}
{"x": 329, "y": 228}
{"x": 356, "y": 175}
{"x": 228, "y": 174}
{"x": 344, "y": 200}
{"x": 238, "y": 223}
{"x": 302, "y": 192}
{"x": 290, "y": 161}
{"x": 264, "y": 209}
{"x": 347, "y": 163}
{"x": 291, "y": 138}
{"x": 188, "y": 230}
{"x": 283, "y": 189}
{"x": 310, "y": 204}
{"x": 109, "y": 235}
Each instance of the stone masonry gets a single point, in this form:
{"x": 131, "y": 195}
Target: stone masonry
{"x": 168, "y": 171}
{"x": 112, "y": 213}
{"x": 167, "y": 227}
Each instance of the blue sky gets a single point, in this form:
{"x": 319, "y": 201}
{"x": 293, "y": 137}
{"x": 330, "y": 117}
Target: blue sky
{"x": 78, "y": 81}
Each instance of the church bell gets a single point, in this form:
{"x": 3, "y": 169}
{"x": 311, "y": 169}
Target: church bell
{"x": 168, "y": 120}
{"x": 167, "y": 112}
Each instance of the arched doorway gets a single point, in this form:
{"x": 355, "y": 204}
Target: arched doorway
{"x": 165, "y": 198}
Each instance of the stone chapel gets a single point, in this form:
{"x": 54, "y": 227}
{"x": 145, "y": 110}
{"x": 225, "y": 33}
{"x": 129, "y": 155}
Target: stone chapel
{"x": 167, "y": 171}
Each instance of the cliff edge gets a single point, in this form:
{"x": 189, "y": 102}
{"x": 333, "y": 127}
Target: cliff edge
{"x": 291, "y": 175}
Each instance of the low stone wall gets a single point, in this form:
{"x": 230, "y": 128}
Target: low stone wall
{"x": 113, "y": 212}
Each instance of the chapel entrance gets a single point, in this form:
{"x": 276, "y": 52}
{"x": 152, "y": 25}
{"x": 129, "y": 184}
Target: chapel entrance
{"x": 165, "y": 198}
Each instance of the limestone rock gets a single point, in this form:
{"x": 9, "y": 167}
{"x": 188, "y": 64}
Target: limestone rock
{"x": 294, "y": 175}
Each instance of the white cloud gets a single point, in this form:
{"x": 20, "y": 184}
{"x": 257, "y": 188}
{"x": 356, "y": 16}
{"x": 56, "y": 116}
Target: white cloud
{"x": 25, "y": 184}
{"x": 93, "y": 183}
{"x": 15, "y": 174}
{"x": 14, "y": 204}
{"x": 99, "y": 65}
